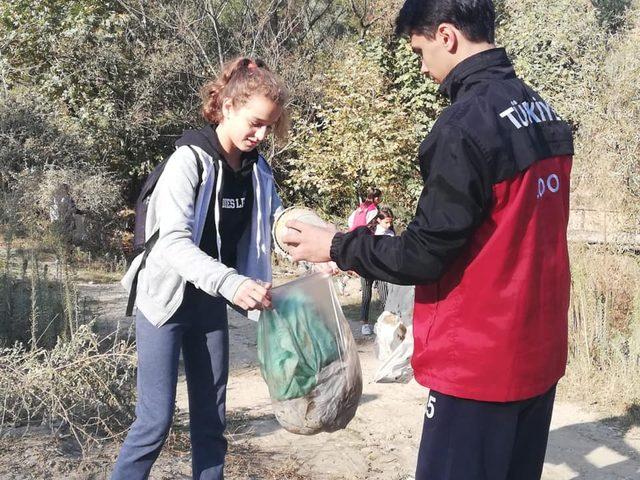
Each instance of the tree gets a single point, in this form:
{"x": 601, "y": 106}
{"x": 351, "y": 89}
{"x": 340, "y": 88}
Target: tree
{"x": 365, "y": 131}
{"x": 130, "y": 71}
{"x": 557, "y": 48}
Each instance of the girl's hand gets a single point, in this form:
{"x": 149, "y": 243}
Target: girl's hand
{"x": 252, "y": 295}
{"x": 328, "y": 267}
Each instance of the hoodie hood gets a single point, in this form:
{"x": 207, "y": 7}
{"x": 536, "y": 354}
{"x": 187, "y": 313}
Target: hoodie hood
{"x": 205, "y": 138}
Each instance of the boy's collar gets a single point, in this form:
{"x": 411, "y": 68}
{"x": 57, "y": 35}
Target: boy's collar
{"x": 492, "y": 63}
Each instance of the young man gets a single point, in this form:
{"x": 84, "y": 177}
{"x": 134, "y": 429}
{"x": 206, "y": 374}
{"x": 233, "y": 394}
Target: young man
{"x": 486, "y": 250}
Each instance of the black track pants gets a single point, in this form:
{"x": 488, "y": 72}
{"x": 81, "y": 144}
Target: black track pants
{"x": 470, "y": 440}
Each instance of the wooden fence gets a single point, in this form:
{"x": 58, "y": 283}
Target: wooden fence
{"x": 589, "y": 225}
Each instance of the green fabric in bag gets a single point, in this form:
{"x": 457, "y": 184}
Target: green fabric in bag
{"x": 294, "y": 344}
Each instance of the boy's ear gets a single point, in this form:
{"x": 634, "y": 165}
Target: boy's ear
{"x": 447, "y": 35}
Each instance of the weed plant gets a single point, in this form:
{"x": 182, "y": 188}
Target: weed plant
{"x": 54, "y": 369}
{"x": 83, "y": 387}
{"x": 40, "y": 302}
{"x": 604, "y": 328}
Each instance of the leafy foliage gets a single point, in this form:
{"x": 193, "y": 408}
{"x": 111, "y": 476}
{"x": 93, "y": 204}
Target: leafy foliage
{"x": 557, "y": 48}
{"x": 364, "y": 132}
{"x": 611, "y": 13}
{"x": 130, "y": 72}
{"x": 32, "y": 137}
{"x": 82, "y": 56}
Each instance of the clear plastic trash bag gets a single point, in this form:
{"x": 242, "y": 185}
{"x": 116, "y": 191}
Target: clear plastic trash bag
{"x": 308, "y": 357}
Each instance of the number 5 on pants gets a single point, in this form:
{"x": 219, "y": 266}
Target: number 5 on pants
{"x": 430, "y": 409}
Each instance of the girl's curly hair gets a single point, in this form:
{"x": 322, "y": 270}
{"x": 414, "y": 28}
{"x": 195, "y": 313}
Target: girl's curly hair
{"x": 239, "y": 80}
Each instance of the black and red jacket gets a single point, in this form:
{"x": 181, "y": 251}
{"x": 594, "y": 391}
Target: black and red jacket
{"x": 487, "y": 248}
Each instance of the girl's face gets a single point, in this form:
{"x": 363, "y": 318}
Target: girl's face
{"x": 246, "y": 126}
{"x": 386, "y": 223}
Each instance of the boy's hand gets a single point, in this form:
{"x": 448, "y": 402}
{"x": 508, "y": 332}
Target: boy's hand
{"x": 309, "y": 242}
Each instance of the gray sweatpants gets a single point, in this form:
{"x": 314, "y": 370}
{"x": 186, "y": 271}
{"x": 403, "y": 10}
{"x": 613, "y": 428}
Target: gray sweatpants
{"x": 200, "y": 329}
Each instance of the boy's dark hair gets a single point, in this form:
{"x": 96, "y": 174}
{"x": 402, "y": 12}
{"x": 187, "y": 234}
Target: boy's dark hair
{"x": 474, "y": 18}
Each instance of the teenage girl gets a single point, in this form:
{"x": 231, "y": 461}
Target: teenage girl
{"x": 382, "y": 224}
{"x": 213, "y": 249}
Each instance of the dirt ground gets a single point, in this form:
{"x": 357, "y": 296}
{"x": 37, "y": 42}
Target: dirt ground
{"x": 380, "y": 442}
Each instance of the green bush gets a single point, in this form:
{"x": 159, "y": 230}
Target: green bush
{"x": 101, "y": 70}
{"x": 364, "y": 132}
{"x": 34, "y": 136}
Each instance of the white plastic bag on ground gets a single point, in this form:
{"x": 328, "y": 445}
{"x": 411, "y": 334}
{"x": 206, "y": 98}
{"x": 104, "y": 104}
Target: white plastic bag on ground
{"x": 397, "y": 367}
{"x": 390, "y": 332}
{"x": 394, "y": 347}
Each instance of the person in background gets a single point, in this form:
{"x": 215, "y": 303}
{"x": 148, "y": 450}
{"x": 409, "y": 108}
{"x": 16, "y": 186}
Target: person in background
{"x": 384, "y": 222}
{"x": 62, "y": 213}
{"x": 366, "y": 211}
{"x": 383, "y": 226}
{"x": 365, "y": 215}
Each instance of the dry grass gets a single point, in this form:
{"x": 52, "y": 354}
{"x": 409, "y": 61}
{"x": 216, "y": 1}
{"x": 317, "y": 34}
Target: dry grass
{"x": 607, "y": 173}
{"x": 244, "y": 461}
{"x": 96, "y": 273}
{"x": 604, "y": 329}
{"x": 83, "y": 387}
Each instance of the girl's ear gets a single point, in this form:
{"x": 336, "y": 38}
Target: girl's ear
{"x": 227, "y": 107}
